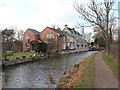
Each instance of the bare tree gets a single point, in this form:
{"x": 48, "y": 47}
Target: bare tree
{"x": 88, "y": 37}
{"x": 55, "y": 26}
{"x": 98, "y": 15}
{"x": 7, "y": 40}
{"x": 19, "y": 34}
{"x": 51, "y": 44}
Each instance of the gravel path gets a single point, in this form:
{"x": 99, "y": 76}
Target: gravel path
{"x": 104, "y": 78}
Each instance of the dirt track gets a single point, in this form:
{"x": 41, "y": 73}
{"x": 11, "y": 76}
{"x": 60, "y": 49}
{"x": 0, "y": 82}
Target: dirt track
{"x": 104, "y": 78}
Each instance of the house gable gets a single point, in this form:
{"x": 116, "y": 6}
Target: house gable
{"x": 43, "y": 34}
{"x": 28, "y": 31}
{"x": 28, "y": 36}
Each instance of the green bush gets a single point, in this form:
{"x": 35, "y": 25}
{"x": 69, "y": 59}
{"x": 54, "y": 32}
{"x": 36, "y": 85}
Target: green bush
{"x": 76, "y": 66}
{"x": 17, "y": 57}
{"x": 23, "y": 56}
{"x": 9, "y": 53}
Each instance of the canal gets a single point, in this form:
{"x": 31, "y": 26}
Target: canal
{"x": 35, "y": 74}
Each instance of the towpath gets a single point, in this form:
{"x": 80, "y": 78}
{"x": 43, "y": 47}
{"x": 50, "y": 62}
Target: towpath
{"x": 104, "y": 78}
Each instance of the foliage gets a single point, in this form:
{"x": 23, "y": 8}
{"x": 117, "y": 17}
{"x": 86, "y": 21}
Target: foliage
{"x": 90, "y": 74}
{"x": 7, "y": 34}
{"x": 76, "y": 66}
{"x": 92, "y": 43}
{"x": 114, "y": 50}
{"x": 9, "y": 53}
{"x": 111, "y": 63}
{"x": 7, "y": 40}
{"x": 51, "y": 44}
{"x": 100, "y": 41}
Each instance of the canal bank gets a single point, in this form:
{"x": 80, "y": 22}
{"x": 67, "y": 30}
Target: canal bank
{"x": 80, "y": 76}
{"x": 39, "y": 56}
{"x": 35, "y": 74}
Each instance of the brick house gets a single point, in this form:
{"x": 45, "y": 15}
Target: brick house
{"x": 30, "y": 36}
{"x": 52, "y": 36}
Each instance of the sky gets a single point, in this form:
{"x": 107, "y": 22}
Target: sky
{"x": 38, "y": 14}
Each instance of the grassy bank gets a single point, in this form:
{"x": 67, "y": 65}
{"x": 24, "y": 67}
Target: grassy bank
{"x": 111, "y": 63}
{"x": 90, "y": 74}
{"x": 20, "y": 55}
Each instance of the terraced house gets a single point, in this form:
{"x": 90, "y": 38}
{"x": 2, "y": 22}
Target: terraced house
{"x": 52, "y": 40}
{"x": 75, "y": 41}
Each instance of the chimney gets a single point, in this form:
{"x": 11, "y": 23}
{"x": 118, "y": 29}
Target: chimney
{"x": 66, "y": 27}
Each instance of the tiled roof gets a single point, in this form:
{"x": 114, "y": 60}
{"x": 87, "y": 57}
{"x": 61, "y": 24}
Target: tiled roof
{"x": 35, "y": 32}
{"x": 59, "y": 31}
{"x": 74, "y": 31}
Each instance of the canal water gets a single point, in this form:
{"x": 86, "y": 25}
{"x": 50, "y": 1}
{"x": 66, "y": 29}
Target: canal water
{"x": 35, "y": 74}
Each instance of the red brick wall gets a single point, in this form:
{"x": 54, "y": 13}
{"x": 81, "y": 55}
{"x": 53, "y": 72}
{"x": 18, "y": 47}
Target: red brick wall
{"x": 43, "y": 37}
{"x": 32, "y": 37}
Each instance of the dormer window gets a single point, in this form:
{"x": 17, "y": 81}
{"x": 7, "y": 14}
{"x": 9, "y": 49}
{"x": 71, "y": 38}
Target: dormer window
{"x": 27, "y": 36}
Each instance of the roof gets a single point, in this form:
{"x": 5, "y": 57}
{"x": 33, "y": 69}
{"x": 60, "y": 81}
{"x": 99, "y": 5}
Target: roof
{"x": 72, "y": 30}
{"x": 59, "y": 31}
{"x": 35, "y": 32}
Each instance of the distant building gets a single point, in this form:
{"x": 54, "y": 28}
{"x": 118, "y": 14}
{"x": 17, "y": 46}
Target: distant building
{"x": 75, "y": 40}
{"x": 53, "y": 40}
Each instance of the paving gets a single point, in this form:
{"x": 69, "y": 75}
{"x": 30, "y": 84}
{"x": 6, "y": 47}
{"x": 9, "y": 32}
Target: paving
{"x": 104, "y": 77}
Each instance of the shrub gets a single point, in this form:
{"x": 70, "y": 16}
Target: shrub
{"x": 76, "y": 66}
{"x": 7, "y": 59}
{"x": 9, "y": 53}
{"x": 23, "y": 56}
{"x": 32, "y": 51}
{"x": 17, "y": 57}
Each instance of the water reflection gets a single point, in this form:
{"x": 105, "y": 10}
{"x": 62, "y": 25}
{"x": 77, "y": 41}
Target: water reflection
{"x": 35, "y": 74}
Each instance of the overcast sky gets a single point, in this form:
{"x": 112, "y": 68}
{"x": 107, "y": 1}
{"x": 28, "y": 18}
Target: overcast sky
{"x": 38, "y": 14}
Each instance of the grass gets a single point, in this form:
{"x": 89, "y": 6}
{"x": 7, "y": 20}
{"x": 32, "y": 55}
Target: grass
{"x": 90, "y": 75}
{"x": 20, "y": 55}
{"x": 111, "y": 63}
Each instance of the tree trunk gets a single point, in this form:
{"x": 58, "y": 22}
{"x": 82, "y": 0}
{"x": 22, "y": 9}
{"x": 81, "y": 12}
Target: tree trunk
{"x": 108, "y": 44}
{"x": 4, "y": 49}
{"x": 107, "y": 40}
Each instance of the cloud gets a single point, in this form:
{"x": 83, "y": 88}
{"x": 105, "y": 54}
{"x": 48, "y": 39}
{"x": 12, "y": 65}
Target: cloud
{"x": 37, "y": 14}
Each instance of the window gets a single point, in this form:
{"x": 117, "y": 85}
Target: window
{"x": 50, "y": 35}
{"x": 27, "y": 36}
{"x": 82, "y": 45}
{"x": 28, "y": 45}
